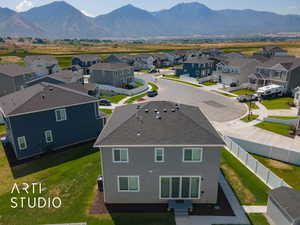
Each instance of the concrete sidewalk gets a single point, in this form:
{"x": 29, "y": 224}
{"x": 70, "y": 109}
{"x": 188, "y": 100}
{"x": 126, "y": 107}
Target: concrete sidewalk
{"x": 239, "y": 218}
{"x": 255, "y": 209}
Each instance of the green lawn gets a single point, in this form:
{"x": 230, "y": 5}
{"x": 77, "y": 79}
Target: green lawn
{"x": 284, "y": 117}
{"x": 258, "y": 219}
{"x": 285, "y": 171}
{"x": 107, "y": 111}
{"x": 248, "y": 188}
{"x": 153, "y": 86}
{"x": 277, "y": 103}
{"x": 253, "y": 105}
{"x": 2, "y": 129}
{"x": 281, "y": 129}
{"x": 74, "y": 181}
{"x": 64, "y": 61}
{"x": 183, "y": 82}
{"x": 139, "y": 83}
{"x": 209, "y": 83}
{"x": 248, "y": 119}
{"x": 172, "y": 76}
{"x": 135, "y": 98}
{"x": 114, "y": 99}
{"x": 243, "y": 92}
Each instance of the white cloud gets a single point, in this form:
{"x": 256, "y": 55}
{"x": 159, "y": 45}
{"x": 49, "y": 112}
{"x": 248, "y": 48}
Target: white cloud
{"x": 87, "y": 13}
{"x": 24, "y": 5}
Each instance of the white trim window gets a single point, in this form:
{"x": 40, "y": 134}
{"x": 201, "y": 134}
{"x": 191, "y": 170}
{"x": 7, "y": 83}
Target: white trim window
{"x": 179, "y": 187}
{"x": 128, "y": 184}
{"x": 48, "y": 136}
{"x": 192, "y": 154}
{"x": 159, "y": 155}
{"x": 22, "y": 143}
{"x": 120, "y": 155}
{"x": 60, "y": 115}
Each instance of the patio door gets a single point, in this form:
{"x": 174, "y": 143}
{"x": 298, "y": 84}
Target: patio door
{"x": 180, "y": 187}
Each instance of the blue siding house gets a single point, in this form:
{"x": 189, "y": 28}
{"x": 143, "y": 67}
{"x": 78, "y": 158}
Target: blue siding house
{"x": 196, "y": 67}
{"x": 47, "y": 117}
{"x": 85, "y": 62}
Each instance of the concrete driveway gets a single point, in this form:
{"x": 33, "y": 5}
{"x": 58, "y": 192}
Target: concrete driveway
{"x": 216, "y": 107}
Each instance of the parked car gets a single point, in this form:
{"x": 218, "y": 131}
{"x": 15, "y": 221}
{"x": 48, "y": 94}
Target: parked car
{"x": 233, "y": 84}
{"x": 152, "y": 93}
{"x": 247, "y": 98}
{"x": 104, "y": 102}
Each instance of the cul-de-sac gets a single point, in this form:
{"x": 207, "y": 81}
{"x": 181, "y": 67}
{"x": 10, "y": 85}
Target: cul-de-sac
{"x": 149, "y": 112}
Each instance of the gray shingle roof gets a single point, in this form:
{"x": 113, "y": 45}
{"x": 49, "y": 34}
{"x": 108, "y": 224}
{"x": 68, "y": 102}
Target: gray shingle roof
{"x": 43, "y": 96}
{"x": 288, "y": 199}
{"x": 110, "y": 66}
{"x": 199, "y": 60}
{"x": 14, "y": 70}
{"x": 67, "y": 75}
{"x": 131, "y": 126}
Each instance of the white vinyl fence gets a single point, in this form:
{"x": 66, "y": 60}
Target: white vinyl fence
{"x": 262, "y": 172}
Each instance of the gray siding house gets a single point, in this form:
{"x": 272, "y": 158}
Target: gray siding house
{"x": 283, "y": 71}
{"x": 270, "y": 51}
{"x": 159, "y": 152}
{"x": 42, "y": 65}
{"x": 13, "y": 77}
{"x": 197, "y": 67}
{"x": 284, "y": 206}
{"x": 85, "y": 61}
{"x": 47, "y": 117}
{"x": 114, "y": 74}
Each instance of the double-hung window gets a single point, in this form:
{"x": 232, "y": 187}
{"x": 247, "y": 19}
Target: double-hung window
{"x": 159, "y": 155}
{"x": 48, "y": 136}
{"x": 192, "y": 154}
{"x": 60, "y": 115}
{"x": 120, "y": 155}
{"x": 22, "y": 143}
{"x": 128, "y": 184}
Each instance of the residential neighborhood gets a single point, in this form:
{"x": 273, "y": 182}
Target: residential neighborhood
{"x": 139, "y": 112}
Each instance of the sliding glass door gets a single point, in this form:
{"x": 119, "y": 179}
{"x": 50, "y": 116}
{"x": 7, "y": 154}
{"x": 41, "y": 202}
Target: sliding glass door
{"x": 180, "y": 187}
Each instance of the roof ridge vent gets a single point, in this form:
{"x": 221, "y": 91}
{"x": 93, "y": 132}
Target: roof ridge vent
{"x": 165, "y": 110}
{"x": 146, "y": 110}
{"x": 173, "y": 110}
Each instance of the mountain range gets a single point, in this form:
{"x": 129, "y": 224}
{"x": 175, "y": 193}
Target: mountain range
{"x": 61, "y": 20}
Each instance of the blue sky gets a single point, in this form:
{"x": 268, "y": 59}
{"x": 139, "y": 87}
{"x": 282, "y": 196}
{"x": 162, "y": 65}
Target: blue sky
{"x": 96, "y": 7}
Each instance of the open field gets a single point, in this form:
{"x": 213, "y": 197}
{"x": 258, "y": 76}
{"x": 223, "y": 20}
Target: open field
{"x": 64, "y": 51}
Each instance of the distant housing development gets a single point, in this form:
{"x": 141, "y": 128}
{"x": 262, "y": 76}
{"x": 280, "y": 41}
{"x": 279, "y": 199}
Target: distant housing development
{"x": 42, "y": 65}
{"x": 157, "y": 152}
{"x": 46, "y": 117}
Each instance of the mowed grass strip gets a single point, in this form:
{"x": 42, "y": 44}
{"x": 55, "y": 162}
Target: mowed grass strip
{"x": 277, "y": 128}
{"x": 74, "y": 181}
{"x": 114, "y": 99}
{"x": 258, "y": 219}
{"x": 277, "y": 103}
{"x": 135, "y": 98}
{"x": 288, "y": 172}
{"x": 250, "y": 118}
{"x": 284, "y": 117}
{"x": 248, "y": 188}
{"x": 183, "y": 82}
{"x": 153, "y": 86}
{"x": 243, "y": 92}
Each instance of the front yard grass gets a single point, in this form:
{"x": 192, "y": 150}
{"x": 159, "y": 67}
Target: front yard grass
{"x": 248, "y": 119}
{"x": 224, "y": 94}
{"x": 288, "y": 172}
{"x": 253, "y": 105}
{"x": 172, "y": 76}
{"x": 209, "y": 83}
{"x": 153, "y": 86}
{"x": 277, "y": 103}
{"x": 75, "y": 183}
{"x": 284, "y": 117}
{"x": 138, "y": 83}
{"x": 281, "y": 129}
{"x": 114, "y": 99}
{"x": 248, "y": 188}
{"x": 258, "y": 219}
{"x": 244, "y": 91}
{"x": 135, "y": 98}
